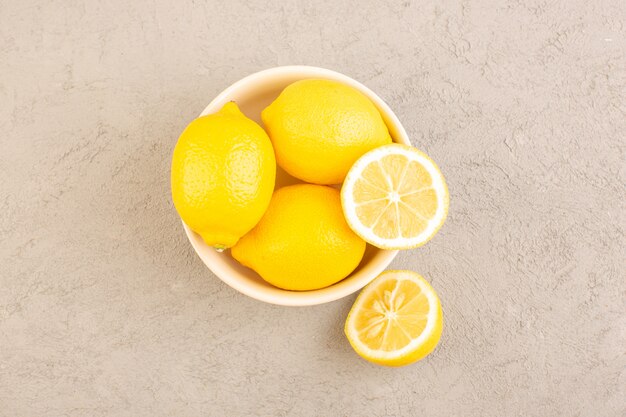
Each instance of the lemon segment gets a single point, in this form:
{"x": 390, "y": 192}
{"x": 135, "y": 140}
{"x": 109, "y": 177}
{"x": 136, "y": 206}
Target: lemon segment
{"x": 396, "y": 320}
{"x": 395, "y": 197}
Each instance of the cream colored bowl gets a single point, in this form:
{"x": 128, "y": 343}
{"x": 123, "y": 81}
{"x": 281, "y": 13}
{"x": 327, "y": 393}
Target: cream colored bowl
{"x": 253, "y": 94}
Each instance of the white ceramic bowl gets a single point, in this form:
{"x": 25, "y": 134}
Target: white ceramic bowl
{"x": 253, "y": 94}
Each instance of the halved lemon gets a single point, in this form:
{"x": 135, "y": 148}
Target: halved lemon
{"x": 396, "y": 320}
{"x": 395, "y": 197}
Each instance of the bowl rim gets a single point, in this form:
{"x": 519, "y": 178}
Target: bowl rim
{"x": 332, "y": 292}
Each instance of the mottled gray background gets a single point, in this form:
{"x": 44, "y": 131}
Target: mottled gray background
{"x": 105, "y": 310}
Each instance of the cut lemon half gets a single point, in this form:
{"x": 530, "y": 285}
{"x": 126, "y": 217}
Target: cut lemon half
{"x": 395, "y": 197}
{"x": 396, "y": 320}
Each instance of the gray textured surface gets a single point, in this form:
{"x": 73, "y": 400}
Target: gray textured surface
{"x": 105, "y": 310}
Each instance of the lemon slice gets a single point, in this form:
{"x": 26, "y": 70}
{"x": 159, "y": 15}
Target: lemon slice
{"x": 396, "y": 320}
{"x": 395, "y": 197}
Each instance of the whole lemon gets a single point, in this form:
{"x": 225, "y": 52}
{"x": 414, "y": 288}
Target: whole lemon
{"x": 319, "y": 128}
{"x": 223, "y": 174}
{"x": 303, "y": 241}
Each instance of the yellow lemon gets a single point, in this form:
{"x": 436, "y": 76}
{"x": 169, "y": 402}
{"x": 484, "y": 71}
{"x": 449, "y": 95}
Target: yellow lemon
{"x": 303, "y": 241}
{"x": 319, "y": 128}
{"x": 395, "y": 197}
{"x": 223, "y": 174}
{"x": 396, "y": 320}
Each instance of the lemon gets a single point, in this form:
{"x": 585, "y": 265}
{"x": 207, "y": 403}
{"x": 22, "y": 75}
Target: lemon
{"x": 303, "y": 241}
{"x": 223, "y": 174}
{"x": 319, "y": 128}
{"x": 395, "y": 197}
{"x": 396, "y": 320}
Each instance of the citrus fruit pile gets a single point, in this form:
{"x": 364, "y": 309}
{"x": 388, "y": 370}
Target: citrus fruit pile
{"x": 356, "y": 187}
